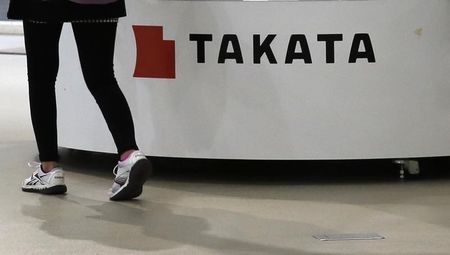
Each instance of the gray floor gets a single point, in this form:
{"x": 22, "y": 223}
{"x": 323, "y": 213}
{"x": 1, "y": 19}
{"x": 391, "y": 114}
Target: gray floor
{"x": 183, "y": 213}
{"x": 3, "y": 9}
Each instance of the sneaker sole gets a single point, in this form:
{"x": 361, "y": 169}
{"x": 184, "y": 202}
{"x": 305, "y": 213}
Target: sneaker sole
{"x": 138, "y": 176}
{"x": 58, "y": 189}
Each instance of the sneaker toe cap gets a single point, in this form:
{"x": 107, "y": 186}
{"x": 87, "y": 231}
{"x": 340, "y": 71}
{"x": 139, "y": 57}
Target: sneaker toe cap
{"x": 115, "y": 187}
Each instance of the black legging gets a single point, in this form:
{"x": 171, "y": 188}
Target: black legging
{"x": 95, "y": 43}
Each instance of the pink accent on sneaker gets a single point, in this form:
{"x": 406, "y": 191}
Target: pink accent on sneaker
{"x": 126, "y": 155}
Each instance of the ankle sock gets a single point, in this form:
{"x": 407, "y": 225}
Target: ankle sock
{"x": 41, "y": 172}
{"x": 126, "y": 155}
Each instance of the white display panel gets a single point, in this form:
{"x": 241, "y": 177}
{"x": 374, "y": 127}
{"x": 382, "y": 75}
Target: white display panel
{"x": 393, "y": 106}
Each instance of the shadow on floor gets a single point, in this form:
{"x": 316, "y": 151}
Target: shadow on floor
{"x": 149, "y": 226}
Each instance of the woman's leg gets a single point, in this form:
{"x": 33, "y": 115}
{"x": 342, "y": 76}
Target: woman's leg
{"x": 95, "y": 42}
{"x": 41, "y": 44}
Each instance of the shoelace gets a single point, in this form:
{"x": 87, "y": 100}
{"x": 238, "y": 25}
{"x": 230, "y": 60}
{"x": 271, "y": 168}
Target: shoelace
{"x": 35, "y": 166}
{"x": 116, "y": 168}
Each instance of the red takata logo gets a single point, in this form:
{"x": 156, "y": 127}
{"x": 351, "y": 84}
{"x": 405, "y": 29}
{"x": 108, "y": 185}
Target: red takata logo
{"x": 155, "y": 56}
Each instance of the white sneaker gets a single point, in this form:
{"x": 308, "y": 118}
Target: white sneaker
{"x": 131, "y": 175}
{"x": 45, "y": 183}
